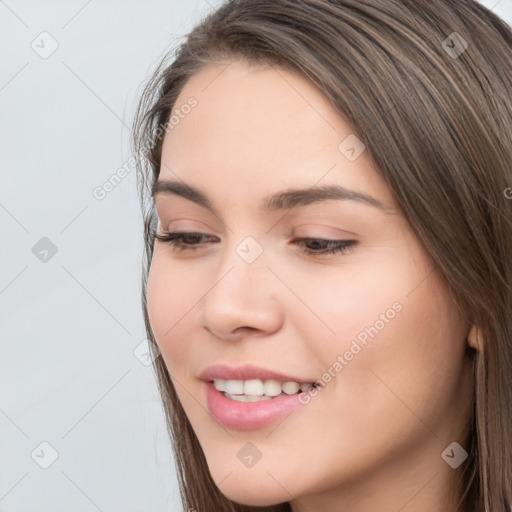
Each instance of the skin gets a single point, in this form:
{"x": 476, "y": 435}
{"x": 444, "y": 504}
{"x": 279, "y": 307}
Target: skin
{"x": 372, "y": 438}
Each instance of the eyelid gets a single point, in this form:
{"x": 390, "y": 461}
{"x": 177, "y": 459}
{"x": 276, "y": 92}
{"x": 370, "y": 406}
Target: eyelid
{"x": 170, "y": 225}
{"x": 312, "y": 231}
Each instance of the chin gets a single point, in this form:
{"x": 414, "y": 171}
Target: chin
{"x": 257, "y": 488}
{"x": 253, "y": 495}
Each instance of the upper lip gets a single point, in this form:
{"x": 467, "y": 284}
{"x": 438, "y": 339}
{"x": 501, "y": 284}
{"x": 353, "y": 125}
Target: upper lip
{"x": 247, "y": 372}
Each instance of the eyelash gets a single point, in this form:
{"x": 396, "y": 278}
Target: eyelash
{"x": 342, "y": 246}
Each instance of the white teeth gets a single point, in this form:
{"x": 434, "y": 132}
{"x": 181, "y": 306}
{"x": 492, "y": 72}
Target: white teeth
{"x": 254, "y": 389}
{"x": 220, "y": 384}
{"x": 245, "y": 398}
{"x": 272, "y": 387}
{"x": 234, "y": 387}
{"x": 290, "y": 388}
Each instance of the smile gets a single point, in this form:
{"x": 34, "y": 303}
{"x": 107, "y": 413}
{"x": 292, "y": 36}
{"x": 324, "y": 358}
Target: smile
{"x": 248, "y": 411}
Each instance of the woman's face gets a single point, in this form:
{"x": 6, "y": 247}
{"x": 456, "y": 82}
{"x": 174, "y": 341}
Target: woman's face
{"x": 373, "y": 324}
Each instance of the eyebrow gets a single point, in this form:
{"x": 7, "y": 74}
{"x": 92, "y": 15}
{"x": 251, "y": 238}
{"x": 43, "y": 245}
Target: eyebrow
{"x": 286, "y": 199}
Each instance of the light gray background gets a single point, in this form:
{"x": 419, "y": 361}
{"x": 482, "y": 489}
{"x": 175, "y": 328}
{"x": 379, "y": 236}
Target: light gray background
{"x": 70, "y": 324}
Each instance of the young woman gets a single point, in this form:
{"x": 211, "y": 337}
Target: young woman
{"x": 328, "y": 212}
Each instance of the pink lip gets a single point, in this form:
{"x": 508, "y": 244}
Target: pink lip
{"x": 248, "y": 415}
{"x": 246, "y": 372}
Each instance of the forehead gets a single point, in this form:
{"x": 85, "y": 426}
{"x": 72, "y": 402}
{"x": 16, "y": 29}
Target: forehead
{"x": 260, "y": 107}
{"x": 258, "y": 128}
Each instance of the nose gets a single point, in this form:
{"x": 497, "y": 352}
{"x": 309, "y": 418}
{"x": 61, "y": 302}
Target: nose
{"x": 242, "y": 301}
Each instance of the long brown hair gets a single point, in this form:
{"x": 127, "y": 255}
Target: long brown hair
{"x": 427, "y": 86}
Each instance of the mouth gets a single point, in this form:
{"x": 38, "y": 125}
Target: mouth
{"x": 250, "y": 410}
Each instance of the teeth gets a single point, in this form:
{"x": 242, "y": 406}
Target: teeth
{"x": 234, "y": 387}
{"x": 272, "y": 387}
{"x": 255, "y": 389}
{"x": 220, "y": 384}
{"x": 245, "y": 398}
{"x": 290, "y": 388}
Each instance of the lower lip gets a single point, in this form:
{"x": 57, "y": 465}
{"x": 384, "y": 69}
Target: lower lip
{"x": 248, "y": 415}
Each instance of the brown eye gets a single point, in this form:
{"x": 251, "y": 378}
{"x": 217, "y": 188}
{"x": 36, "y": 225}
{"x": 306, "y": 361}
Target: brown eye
{"x": 176, "y": 240}
{"x": 322, "y": 247}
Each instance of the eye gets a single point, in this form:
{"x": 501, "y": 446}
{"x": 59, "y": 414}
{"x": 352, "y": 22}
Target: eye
{"x": 191, "y": 242}
{"x": 326, "y": 246}
{"x": 175, "y": 239}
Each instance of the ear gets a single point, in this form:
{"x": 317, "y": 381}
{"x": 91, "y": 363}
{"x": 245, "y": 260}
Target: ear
{"x": 475, "y": 339}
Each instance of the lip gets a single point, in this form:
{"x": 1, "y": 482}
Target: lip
{"x": 249, "y": 415}
{"x": 247, "y": 372}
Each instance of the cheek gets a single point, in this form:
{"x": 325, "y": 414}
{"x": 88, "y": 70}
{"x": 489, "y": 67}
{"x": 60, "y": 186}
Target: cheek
{"x": 401, "y": 342}
{"x": 357, "y": 300}
{"x": 421, "y": 352}
{"x": 404, "y": 377}
{"x": 171, "y": 296}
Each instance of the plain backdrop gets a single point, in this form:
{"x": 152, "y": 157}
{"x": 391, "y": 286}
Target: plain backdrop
{"x": 81, "y": 425}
